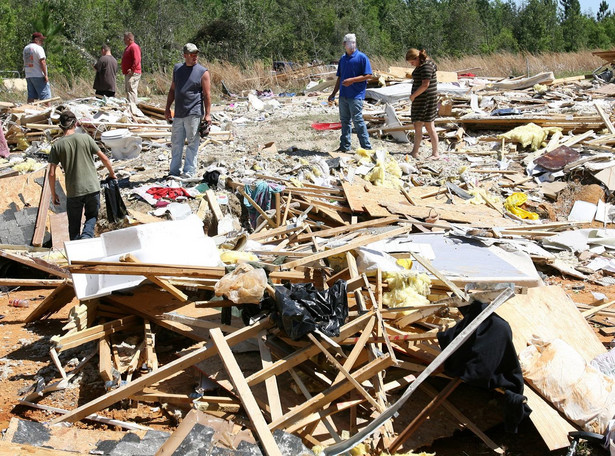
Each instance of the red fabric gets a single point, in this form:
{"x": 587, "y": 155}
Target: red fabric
{"x": 166, "y": 192}
{"x": 467, "y": 75}
{"x": 131, "y": 59}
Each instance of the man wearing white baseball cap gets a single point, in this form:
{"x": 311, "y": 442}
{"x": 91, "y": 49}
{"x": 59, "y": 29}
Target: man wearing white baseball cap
{"x": 353, "y": 71}
{"x": 190, "y": 90}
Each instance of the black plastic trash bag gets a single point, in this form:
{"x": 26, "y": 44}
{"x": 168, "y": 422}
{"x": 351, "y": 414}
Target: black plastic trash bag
{"x": 302, "y": 309}
{"x": 488, "y": 359}
{"x": 116, "y": 209}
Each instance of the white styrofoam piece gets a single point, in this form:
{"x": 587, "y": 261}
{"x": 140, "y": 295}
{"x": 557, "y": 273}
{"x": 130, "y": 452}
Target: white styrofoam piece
{"x": 180, "y": 242}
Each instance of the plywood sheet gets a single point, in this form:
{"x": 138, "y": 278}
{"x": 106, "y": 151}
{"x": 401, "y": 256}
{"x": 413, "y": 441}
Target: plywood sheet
{"x": 363, "y": 196}
{"x": 22, "y": 190}
{"x": 548, "y": 312}
{"x": 56, "y": 300}
{"x": 479, "y": 216}
{"x": 151, "y": 303}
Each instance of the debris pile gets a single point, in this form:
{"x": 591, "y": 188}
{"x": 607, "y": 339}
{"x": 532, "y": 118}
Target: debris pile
{"x": 284, "y": 298}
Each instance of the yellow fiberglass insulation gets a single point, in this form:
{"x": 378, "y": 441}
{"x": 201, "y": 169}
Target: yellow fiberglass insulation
{"x": 385, "y": 174}
{"x": 529, "y": 135}
{"x": 364, "y": 156}
{"x": 406, "y": 288}
{"x": 236, "y": 256}
{"x": 481, "y": 196}
{"x": 28, "y": 165}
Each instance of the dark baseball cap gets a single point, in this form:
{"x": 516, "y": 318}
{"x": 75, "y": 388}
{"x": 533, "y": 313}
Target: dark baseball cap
{"x": 38, "y": 35}
{"x": 67, "y": 119}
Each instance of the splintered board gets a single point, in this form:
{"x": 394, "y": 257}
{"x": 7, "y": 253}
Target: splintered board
{"x": 548, "y": 312}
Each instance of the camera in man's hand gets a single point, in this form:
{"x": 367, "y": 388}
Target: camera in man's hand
{"x": 204, "y": 128}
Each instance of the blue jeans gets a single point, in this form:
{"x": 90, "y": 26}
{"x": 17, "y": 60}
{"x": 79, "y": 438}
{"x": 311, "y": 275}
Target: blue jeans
{"x": 351, "y": 110}
{"x": 75, "y": 207}
{"x": 185, "y": 129}
{"x": 38, "y": 89}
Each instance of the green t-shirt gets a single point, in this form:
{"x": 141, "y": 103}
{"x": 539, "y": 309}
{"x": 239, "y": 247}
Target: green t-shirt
{"x": 76, "y": 154}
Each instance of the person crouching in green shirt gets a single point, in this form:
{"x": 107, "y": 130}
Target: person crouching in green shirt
{"x": 76, "y": 151}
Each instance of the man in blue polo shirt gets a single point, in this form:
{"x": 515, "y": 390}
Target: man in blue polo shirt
{"x": 353, "y": 71}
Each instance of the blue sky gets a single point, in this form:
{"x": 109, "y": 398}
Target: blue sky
{"x": 593, "y": 5}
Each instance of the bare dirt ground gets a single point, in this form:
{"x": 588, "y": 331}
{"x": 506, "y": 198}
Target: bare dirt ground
{"x": 24, "y": 351}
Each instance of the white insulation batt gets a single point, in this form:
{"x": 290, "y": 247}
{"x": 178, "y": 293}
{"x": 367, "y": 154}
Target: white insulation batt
{"x": 581, "y": 392}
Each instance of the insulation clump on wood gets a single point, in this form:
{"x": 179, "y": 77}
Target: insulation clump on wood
{"x": 582, "y": 393}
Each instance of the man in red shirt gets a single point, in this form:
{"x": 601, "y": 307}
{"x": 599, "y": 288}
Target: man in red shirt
{"x": 131, "y": 67}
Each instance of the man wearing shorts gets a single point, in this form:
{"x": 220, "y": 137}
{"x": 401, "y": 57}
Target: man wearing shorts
{"x": 35, "y": 64}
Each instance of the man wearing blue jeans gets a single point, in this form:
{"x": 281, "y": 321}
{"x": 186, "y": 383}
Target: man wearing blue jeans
{"x": 353, "y": 71}
{"x": 35, "y": 66}
{"x": 190, "y": 90}
{"x": 76, "y": 151}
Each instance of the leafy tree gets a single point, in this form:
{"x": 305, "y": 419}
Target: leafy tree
{"x": 603, "y": 10}
{"x": 537, "y": 27}
{"x": 10, "y": 55}
{"x": 464, "y": 27}
{"x": 572, "y": 25}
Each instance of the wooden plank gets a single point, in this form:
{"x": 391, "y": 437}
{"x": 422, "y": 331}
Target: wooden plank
{"x": 13, "y": 449}
{"x": 301, "y": 355}
{"x": 143, "y": 269}
{"x": 43, "y": 209}
{"x": 332, "y": 393}
{"x": 479, "y": 216}
{"x": 345, "y": 373}
{"x": 58, "y": 225}
{"x": 212, "y": 199}
{"x": 162, "y": 283}
{"x": 163, "y": 372}
{"x": 364, "y": 240}
{"x": 348, "y": 228}
{"x": 271, "y": 384}
{"x": 36, "y": 283}
{"x": 94, "y": 333}
{"x": 37, "y": 263}
{"x": 605, "y": 118}
{"x": 56, "y": 300}
{"x": 105, "y": 361}
{"x": 548, "y": 313}
{"x": 151, "y": 359}
{"x": 279, "y": 231}
{"x": 240, "y": 384}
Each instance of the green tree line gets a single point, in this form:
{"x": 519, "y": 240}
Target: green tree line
{"x": 241, "y": 31}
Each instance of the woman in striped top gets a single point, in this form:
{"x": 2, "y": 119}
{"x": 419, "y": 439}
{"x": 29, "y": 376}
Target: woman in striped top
{"x": 424, "y": 99}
